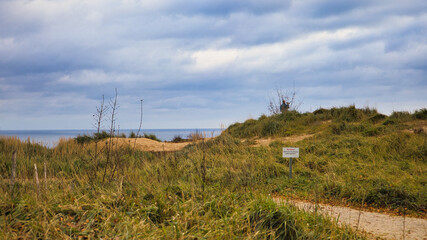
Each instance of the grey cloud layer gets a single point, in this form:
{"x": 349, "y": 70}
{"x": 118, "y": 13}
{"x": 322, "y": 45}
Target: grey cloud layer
{"x": 183, "y": 56}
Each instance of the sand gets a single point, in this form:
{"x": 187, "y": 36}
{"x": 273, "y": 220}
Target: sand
{"x": 376, "y": 225}
{"x": 294, "y": 138}
{"x": 149, "y": 145}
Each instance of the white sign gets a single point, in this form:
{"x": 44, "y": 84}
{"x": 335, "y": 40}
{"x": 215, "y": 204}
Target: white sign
{"x": 290, "y": 152}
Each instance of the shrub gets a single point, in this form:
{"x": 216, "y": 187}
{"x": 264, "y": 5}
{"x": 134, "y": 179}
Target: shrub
{"x": 262, "y": 117}
{"x": 101, "y": 135}
{"x": 321, "y": 111}
{"x": 250, "y": 128}
{"x": 288, "y": 116}
{"x": 152, "y": 137}
{"x": 82, "y": 139}
{"x": 421, "y": 114}
{"x": 321, "y": 114}
{"x": 377, "y": 118}
{"x": 347, "y": 114}
{"x": 178, "y": 139}
{"x": 271, "y": 128}
{"x": 402, "y": 116}
{"x": 369, "y": 111}
{"x": 389, "y": 121}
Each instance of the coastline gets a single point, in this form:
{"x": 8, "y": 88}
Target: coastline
{"x": 50, "y": 138}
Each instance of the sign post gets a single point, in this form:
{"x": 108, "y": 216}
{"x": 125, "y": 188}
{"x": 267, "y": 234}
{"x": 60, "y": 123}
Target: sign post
{"x": 290, "y": 153}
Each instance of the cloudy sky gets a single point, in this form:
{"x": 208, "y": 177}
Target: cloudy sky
{"x": 203, "y": 63}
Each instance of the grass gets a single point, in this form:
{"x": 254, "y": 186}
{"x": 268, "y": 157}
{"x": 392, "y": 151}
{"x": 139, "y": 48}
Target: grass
{"x": 356, "y": 169}
{"x": 218, "y": 189}
{"x": 353, "y": 158}
{"x": 152, "y": 196}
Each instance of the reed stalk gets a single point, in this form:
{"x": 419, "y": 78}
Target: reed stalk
{"x": 13, "y": 175}
{"x": 36, "y": 176}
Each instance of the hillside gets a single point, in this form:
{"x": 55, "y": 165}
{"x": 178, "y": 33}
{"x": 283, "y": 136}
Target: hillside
{"x": 348, "y": 155}
{"x": 219, "y": 188}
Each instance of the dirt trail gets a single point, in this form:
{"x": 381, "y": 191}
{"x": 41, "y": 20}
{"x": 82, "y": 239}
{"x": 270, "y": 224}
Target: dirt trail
{"x": 150, "y": 145}
{"x": 293, "y": 138}
{"x": 146, "y": 144}
{"x": 377, "y": 225}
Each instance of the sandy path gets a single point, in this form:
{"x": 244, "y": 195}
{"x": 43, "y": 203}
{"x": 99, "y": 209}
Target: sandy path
{"x": 294, "y": 138}
{"x": 149, "y": 145}
{"x": 375, "y": 224}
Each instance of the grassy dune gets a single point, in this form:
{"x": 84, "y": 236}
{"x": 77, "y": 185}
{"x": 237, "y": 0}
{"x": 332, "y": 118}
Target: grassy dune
{"x": 356, "y": 156}
{"x": 218, "y": 189}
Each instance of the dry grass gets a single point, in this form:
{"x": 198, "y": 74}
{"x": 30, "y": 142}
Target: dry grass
{"x": 145, "y": 144}
{"x": 215, "y": 189}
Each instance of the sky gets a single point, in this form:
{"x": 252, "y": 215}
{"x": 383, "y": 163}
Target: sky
{"x": 205, "y": 63}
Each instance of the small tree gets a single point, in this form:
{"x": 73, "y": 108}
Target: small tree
{"x": 280, "y": 96}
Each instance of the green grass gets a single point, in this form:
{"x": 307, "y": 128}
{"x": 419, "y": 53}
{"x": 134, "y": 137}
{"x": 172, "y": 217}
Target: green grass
{"x": 357, "y": 156}
{"x": 386, "y": 172}
{"x": 219, "y": 189}
{"x": 349, "y": 119}
{"x": 196, "y": 193}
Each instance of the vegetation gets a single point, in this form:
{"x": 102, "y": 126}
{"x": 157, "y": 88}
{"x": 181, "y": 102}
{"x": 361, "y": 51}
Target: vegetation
{"x": 190, "y": 194}
{"x": 152, "y": 137}
{"x": 348, "y": 120}
{"x": 197, "y": 135}
{"x": 132, "y": 135}
{"x": 85, "y": 138}
{"x": 179, "y": 139}
{"x": 353, "y": 157}
{"x": 221, "y": 188}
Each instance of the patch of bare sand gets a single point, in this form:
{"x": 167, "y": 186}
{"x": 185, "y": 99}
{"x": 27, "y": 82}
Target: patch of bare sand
{"x": 376, "y": 225}
{"x": 295, "y": 138}
{"x": 150, "y": 145}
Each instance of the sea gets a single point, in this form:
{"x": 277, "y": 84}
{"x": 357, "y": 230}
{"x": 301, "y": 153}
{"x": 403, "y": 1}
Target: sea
{"x": 50, "y": 138}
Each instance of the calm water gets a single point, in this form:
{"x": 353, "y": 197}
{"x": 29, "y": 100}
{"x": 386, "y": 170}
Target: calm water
{"x": 50, "y": 137}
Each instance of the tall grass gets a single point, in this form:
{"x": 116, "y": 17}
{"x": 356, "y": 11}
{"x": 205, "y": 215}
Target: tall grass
{"x": 155, "y": 196}
{"x": 217, "y": 189}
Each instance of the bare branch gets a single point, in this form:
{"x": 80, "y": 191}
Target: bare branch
{"x": 140, "y": 125}
{"x": 113, "y": 106}
{"x": 283, "y": 96}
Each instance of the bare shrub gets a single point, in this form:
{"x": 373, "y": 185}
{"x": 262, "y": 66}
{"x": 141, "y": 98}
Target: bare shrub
{"x": 283, "y": 95}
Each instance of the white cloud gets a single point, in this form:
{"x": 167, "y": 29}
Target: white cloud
{"x": 186, "y": 54}
{"x": 213, "y": 59}
{"x": 276, "y": 57}
{"x": 94, "y": 77}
